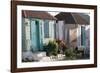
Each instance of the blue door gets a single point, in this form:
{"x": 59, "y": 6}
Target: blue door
{"x": 35, "y": 35}
{"x": 83, "y": 36}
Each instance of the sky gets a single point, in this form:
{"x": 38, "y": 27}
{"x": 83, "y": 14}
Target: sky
{"x": 53, "y": 13}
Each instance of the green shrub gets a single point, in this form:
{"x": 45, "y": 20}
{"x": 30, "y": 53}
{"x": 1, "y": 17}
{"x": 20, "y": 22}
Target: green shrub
{"x": 70, "y": 54}
{"x": 51, "y": 48}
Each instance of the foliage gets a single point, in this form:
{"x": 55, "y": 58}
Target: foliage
{"x": 62, "y": 46}
{"x": 70, "y": 54}
{"x": 51, "y": 48}
{"x": 75, "y": 53}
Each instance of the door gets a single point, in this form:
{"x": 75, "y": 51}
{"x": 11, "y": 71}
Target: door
{"x": 83, "y": 36}
{"x": 35, "y": 44}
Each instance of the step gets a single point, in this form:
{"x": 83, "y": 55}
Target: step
{"x": 36, "y": 56}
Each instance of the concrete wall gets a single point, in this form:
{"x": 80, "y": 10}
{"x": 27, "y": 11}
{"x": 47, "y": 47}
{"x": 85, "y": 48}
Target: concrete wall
{"x": 73, "y": 37}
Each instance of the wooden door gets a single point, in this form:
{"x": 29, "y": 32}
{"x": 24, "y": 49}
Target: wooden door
{"x": 35, "y": 35}
{"x": 83, "y": 36}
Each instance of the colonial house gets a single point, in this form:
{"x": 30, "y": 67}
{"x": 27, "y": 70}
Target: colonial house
{"x": 37, "y": 29}
{"x": 73, "y": 29}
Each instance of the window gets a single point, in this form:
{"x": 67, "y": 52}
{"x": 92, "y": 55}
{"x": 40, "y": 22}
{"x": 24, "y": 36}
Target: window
{"x": 46, "y": 29}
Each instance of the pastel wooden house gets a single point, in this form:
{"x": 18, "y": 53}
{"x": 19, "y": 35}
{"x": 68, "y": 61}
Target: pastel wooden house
{"x": 37, "y": 29}
{"x": 73, "y": 29}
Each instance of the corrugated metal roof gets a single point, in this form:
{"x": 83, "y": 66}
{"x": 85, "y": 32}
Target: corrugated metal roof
{"x": 73, "y": 18}
{"x": 37, "y": 14}
{"x": 67, "y": 17}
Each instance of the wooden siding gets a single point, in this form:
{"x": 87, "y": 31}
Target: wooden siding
{"x": 26, "y": 34}
{"x": 71, "y": 34}
{"x": 60, "y": 30}
{"x": 51, "y": 31}
{"x": 33, "y": 36}
{"x": 79, "y": 35}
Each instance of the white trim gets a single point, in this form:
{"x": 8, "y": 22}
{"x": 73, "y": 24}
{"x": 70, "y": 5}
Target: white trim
{"x": 79, "y": 36}
{"x": 20, "y": 64}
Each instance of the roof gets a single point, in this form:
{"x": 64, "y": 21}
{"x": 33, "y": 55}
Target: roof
{"x": 37, "y": 14}
{"x": 73, "y": 18}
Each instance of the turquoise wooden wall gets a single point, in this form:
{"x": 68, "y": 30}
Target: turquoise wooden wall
{"x": 37, "y": 37}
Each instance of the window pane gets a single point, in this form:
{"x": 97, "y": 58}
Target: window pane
{"x": 46, "y": 29}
